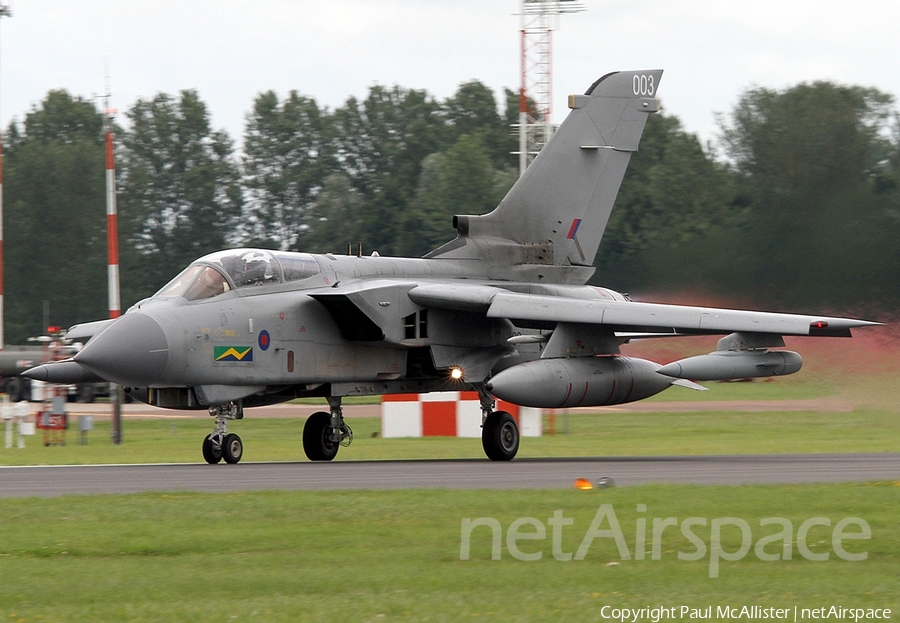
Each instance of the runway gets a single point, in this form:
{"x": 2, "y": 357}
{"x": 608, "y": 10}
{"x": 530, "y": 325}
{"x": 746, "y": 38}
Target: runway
{"x": 52, "y": 481}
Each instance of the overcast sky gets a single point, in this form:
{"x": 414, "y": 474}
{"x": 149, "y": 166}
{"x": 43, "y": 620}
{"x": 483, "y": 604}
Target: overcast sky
{"x": 231, "y": 50}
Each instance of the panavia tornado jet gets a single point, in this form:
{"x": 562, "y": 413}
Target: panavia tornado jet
{"x": 502, "y": 310}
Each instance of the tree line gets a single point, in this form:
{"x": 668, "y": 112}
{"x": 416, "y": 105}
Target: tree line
{"x": 797, "y": 204}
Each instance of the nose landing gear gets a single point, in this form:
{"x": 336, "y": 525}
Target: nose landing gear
{"x": 232, "y": 448}
{"x": 220, "y": 444}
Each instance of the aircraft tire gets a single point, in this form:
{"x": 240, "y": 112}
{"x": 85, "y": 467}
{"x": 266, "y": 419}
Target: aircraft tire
{"x": 315, "y": 445}
{"x": 232, "y": 448}
{"x": 211, "y": 454}
{"x": 16, "y": 388}
{"x": 500, "y": 436}
{"x": 85, "y": 393}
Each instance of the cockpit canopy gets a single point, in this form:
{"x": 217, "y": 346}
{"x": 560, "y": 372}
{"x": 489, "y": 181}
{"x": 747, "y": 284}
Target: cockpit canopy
{"x": 220, "y": 272}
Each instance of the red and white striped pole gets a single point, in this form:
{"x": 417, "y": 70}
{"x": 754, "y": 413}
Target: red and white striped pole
{"x": 112, "y": 241}
{"x": 112, "y": 224}
{"x": 2, "y": 337}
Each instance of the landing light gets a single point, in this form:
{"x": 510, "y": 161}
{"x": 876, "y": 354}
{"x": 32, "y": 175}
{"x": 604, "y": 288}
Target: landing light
{"x": 456, "y": 373}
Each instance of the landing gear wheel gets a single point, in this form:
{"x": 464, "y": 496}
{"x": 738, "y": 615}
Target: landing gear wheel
{"x": 85, "y": 393}
{"x": 500, "y": 436}
{"x": 212, "y": 451}
{"x": 16, "y": 389}
{"x": 232, "y": 448}
{"x": 317, "y": 443}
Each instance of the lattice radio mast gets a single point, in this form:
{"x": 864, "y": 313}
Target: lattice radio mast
{"x": 539, "y": 19}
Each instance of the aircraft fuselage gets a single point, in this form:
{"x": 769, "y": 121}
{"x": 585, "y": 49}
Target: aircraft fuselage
{"x": 272, "y": 338}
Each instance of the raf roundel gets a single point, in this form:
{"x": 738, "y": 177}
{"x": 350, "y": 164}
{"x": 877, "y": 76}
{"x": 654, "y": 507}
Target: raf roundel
{"x": 264, "y": 340}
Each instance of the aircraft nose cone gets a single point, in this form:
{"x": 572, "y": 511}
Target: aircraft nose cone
{"x": 132, "y": 351}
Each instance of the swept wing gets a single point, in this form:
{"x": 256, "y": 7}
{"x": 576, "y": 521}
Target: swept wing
{"x": 622, "y": 316}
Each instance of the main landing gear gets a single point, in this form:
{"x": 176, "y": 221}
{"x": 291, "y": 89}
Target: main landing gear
{"x": 499, "y": 431}
{"x": 324, "y": 433}
{"x": 220, "y": 444}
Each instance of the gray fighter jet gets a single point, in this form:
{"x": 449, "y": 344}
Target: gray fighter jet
{"x": 502, "y": 310}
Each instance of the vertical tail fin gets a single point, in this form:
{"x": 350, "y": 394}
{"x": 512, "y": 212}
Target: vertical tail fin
{"x": 556, "y": 213}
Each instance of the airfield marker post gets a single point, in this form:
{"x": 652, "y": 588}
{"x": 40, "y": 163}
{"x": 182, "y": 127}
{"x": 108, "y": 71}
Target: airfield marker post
{"x": 6, "y": 410}
{"x": 24, "y": 428}
{"x": 85, "y": 424}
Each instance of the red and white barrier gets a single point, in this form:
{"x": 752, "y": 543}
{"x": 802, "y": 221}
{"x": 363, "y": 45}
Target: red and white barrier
{"x": 448, "y": 414}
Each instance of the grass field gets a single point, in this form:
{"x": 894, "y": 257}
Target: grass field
{"x": 395, "y": 556}
{"x": 606, "y": 433}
